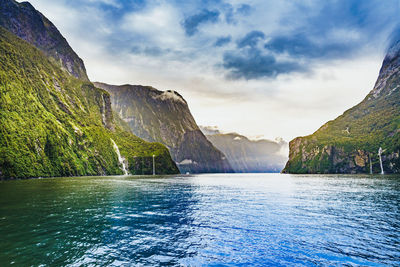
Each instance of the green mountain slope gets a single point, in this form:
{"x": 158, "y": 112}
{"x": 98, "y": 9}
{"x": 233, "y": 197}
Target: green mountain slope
{"x": 350, "y": 143}
{"x": 164, "y": 116}
{"x": 52, "y": 124}
{"x": 26, "y": 22}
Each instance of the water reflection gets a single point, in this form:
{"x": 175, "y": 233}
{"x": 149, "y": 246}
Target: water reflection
{"x": 148, "y": 223}
{"x": 263, "y": 219}
{"x": 94, "y": 220}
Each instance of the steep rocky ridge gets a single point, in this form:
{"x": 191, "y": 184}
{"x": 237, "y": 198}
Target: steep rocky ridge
{"x": 350, "y": 143}
{"x": 247, "y": 155}
{"x": 164, "y": 116}
{"x": 52, "y": 124}
{"x": 26, "y": 22}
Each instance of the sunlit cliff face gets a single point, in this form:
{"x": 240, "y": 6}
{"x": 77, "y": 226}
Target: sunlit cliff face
{"x": 272, "y": 68}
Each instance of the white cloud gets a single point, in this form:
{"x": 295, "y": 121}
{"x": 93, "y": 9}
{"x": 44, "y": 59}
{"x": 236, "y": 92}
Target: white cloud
{"x": 113, "y": 3}
{"x": 159, "y": 23}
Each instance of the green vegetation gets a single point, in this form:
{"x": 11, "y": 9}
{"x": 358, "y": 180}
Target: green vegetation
{"x": 141, "y": 161}
{"x": 26, "y": 22}
{"x": 347, "y": 143}
{"x": 52, "y": 124}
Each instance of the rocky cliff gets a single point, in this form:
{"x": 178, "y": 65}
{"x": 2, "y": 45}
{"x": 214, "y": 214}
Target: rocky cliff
{"x": 164, "y": 116}
{"x": 247, "y": 155}
{"x": 26, "y": 22}
{"x": 52, "y": 124}
{"x": 350, "y": 143}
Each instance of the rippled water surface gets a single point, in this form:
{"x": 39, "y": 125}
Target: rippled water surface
{"x": 250, "y": 219}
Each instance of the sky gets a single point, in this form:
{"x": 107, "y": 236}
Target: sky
{"x": 260, "y": 68}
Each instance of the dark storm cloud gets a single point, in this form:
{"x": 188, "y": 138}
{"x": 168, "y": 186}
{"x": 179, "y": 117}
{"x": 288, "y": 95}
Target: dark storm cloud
{"x": 249, "y": 61}
{"x": 253, "y": 63}
{"x": 192, "y": 23}
{"x": 251, "y": 39}
{"x": 301, "y": 46}
{"x": 223, "y": 41}
{"x": 232, "y": 14}
{"x": 333, "y": 30}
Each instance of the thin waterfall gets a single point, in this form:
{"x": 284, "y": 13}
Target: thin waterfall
{"x": 103, "y": 111}
{"x": 120, "y": 158}
{"x": 370, "y": 163}
{"x": 380, "y": 151}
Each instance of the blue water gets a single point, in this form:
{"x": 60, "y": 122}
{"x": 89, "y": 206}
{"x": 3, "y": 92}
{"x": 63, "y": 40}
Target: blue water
{"x": 240, "y": 219}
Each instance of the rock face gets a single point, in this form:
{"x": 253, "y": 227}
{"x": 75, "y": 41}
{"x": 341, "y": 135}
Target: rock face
{"x": 52, "y": 124}
{"x": 164, "y": 116}
{"x": 350, "y": 143}
{"x": 246, "y": 155}
{"x": 26, "y": 22}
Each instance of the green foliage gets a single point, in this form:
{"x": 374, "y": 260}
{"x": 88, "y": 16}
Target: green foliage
{"x": 51, "y": 124}
{"x": 25, "y": 21}
{"x": 372, "y": 124}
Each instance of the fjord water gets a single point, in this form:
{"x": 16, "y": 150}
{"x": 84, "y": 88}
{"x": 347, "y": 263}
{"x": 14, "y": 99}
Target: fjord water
{"x": 240, "y": 219}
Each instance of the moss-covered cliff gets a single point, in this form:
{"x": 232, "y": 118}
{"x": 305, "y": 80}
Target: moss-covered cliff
{"x": 350, "y": 143}
{"x": 26, "y": 22}
{"x": 53, "y": 124}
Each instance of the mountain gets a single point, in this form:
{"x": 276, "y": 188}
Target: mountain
{"x": 351, "y": 142}
{"x": 247, "y": 155}
{"x": 26, "y": 22}
{"x": 53, "y": 124}
{"x": 164, "y": 116}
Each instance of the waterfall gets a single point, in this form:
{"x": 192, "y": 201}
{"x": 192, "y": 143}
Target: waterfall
{"x": 370, "y": 164}
{"x": 103, "y": 111}
{"x": 380, "y": 151}
{"x": 120, "y": 158}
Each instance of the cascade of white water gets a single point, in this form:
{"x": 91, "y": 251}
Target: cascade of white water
{"x": 370, "y": 164}
{"x": 380, "y": 151}
{"x": 120, "y": 158}
{"x": 103, "y": 112}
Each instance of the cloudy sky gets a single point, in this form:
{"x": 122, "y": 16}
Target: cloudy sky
{"x": 261, "y": 68}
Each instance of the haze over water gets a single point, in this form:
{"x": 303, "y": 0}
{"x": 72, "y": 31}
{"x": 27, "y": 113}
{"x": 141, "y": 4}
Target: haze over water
{"x": 234, "y": 219}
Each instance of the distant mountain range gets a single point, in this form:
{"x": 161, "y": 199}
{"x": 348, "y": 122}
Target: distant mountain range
{"x": 164, "y": 116}
{"x": 351, "y": 143}
{"x": 247, "y": 155}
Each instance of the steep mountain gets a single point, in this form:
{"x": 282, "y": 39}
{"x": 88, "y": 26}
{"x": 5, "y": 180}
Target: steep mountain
{"x": 164, "y": 116}
{"x": 52, "y": 124}
{"x": 26, "y": 22}
{"x": 247, "y": 155}
{"x": 351, "y": 143}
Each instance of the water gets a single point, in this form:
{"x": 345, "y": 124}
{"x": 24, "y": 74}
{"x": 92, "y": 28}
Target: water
{"x": 241, "y": 219}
